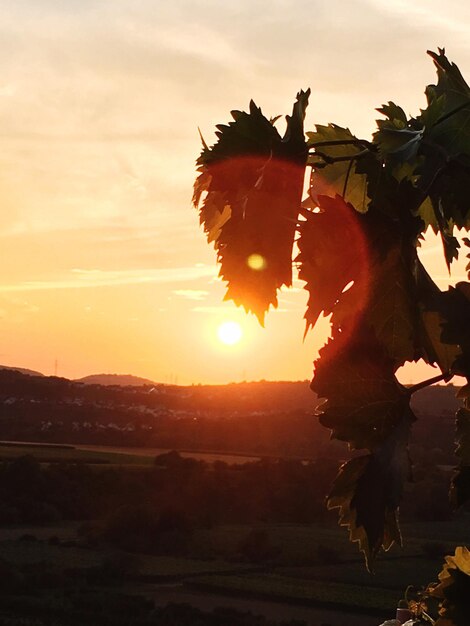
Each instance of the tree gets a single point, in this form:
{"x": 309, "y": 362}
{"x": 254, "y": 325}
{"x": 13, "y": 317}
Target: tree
{"x": 359, "y": 229}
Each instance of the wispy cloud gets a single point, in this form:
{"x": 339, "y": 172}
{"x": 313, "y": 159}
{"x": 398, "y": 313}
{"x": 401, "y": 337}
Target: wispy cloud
{"x": 81, "y": 278}
{"x": 191, "y": 294}
{"x": 429, "y": 13}
{"x": 210, "y": 309}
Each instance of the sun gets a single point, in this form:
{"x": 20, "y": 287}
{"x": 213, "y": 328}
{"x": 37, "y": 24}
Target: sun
{"x": 230, "y": 333}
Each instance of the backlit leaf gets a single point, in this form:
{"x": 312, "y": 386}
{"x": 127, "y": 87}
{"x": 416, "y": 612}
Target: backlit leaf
{"x": 364, "y": 401}
{"x": 249, "y": 194}
{"x": 460, "y": 488}
{"x": 453, "y": 589}
{"x": 341, "y": 178}
{"x": 326, "y": 265}
{"x": 368, "y": 491}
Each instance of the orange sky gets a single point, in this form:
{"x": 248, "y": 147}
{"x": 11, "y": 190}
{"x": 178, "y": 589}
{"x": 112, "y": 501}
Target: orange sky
{"x": 104, "y": 265}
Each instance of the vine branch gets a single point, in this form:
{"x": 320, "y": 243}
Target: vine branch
{"x": 343, "y": 142}
{"x": 328, "y": 160}
{"x": 430, "y": 381}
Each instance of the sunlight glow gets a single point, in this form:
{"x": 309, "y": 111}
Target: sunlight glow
{"x": 230, "y": 333}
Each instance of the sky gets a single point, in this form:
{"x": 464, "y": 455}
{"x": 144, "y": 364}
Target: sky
{"x": 104, "y": 266}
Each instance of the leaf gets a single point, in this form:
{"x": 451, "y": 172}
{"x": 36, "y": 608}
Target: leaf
{"x": 434, "y": 350}
{"x": 395, "y": 138}
{"x": 326, "y": 265}
{"x": 452, "y": 128}
{"x": 453, "y": 589}
{"x": 392, "y": 310}
{"x": 454, "y": 306}
{"x": 460, "y": 487}
{"x": 332, "y": 179}
{"x": 427, "y": 214}
{"x": 368, "y": 491}
{"x": 445, "y": 166}
{"x": 364, "y": 401}
{"x": 252, "y": 179}
{"x": 372, "y": 278}
{"x": 466, "y": 242}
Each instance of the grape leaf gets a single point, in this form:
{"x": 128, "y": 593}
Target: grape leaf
{"x": 364, "y": 401}
{"x": 252, "y": 179}
{"x": 340, "y": 178}
{"x": 451, "y": 130}
{"x": 428, "y": 215}
{"x": 392, "y": 311}
{"x": 429, "y": 298}
{"x": 466, "y": 241}
{"x": 453, "y": 589}
{"x": 444, "y": 168}
{"x": 460, "y": 487}
{"x": 325, "y": 270}
{"x": 454, "y": 306}
{"x": 368, "y": 491}
{"x": 396, "y": 141}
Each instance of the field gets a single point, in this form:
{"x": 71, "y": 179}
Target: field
{"x": 297, "y": 575}
{"x": 309, "y": 566}
{"x": 106, "y": 455}
{"x": 275, "y": 586}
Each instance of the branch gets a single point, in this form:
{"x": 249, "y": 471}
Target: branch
{"x": 430, "y": 381}
{"x": 348, "y": 157}
{"x": 343, "y": 142}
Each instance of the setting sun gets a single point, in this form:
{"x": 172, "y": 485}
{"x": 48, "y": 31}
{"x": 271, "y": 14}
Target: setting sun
{"x": 229, "y": 333}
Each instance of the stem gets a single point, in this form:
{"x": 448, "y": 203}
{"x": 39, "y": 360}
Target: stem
{"x": 430, "y": 381}
{"x": 348, "y": 157}
{"x": 342, "y": 142}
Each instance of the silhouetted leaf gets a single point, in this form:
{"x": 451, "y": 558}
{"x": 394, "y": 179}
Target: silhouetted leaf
{"x": 460, "y": 488}
{"x": 368, "y": 491}
{"x": 364, "y": 401}
{"x": 392, "y": 310}
{"x": 444, "y": 168}
{"x": 453, "y": 590}
{"x": 454, "y": 306}
{"x": 395, "y": 139}
{"x": 253, "y": 181}
{"x": 326, "y": 265}
{"x": 332, "y": 179}
{"x": 451, "y": 129}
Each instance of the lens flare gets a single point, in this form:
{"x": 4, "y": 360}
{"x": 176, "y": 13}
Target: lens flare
{"x": 256, "y": 262}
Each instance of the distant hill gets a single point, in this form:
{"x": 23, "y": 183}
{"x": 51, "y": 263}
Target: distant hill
{"x": 123, "y": 380}
{"x": 267, "y": 418}
{"x": 22, "y": 370}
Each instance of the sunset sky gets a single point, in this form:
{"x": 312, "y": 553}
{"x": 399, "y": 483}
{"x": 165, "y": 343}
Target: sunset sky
{"x": 104, "y": 265}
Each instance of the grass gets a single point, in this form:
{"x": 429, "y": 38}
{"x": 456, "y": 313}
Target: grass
{"x": 282, "y": 588}
{"x": 60, "y": 557}
{"x": 389, "y": 574}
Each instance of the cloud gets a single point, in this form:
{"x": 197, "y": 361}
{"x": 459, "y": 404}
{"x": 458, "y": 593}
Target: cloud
{"x": 191, "y": 294}
{"x": 211, "y": 309}
{"x": 429, "y": 13}
{"x": 82, "y": 278}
